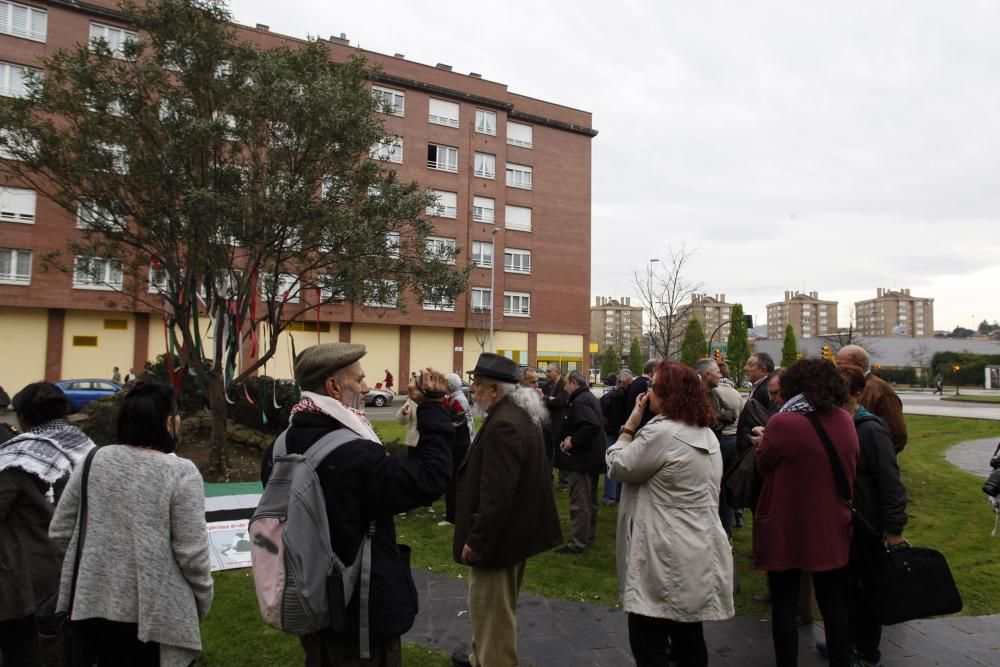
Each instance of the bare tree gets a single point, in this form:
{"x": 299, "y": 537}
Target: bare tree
{"x": 921, "y": 357}
{"x": 663, "y": 292}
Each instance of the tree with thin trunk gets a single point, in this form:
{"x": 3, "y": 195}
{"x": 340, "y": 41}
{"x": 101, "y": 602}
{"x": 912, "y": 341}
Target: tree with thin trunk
{"x": 694, "y": 346}
{"x": 635, "y": 361}
{"x": 738, "y": 348}
{"x": 609, "y": 362}
{"x": 789, "y": 348}
{"x": 215, "y": 180}
{"x": 663, "y": 291}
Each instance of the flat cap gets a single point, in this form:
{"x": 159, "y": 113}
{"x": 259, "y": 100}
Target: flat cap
{"x": 315, "y": 364}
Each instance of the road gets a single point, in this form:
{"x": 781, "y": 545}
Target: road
{"x": 923, "y": 403}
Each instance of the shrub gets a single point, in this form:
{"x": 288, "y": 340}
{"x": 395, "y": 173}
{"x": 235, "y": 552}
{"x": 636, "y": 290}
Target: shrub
{"x": 262, "y": 415}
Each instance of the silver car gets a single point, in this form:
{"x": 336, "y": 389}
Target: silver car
{"x": 379, "y": 397}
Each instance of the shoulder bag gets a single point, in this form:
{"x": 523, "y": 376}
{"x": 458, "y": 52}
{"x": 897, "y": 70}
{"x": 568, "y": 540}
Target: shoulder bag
{"x": 914, "y": 582}
{"x": 49, "y": 620}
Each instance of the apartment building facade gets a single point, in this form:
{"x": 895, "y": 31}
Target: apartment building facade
{"x": 614, "y": 323}
{"x": 895, "y": 313}
{"x": 712, "y": 311}
{"x": 512, "y": 175}
{"x": 809, "y": 315}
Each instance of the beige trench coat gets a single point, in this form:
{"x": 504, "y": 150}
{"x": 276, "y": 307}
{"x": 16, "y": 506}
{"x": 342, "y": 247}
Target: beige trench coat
{"x": 674, "y": 559}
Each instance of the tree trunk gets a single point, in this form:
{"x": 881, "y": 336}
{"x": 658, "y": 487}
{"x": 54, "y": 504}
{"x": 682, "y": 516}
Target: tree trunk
{"x": 218, "y": 455}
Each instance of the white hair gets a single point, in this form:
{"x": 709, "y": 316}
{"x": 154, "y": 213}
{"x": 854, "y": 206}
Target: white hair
{"x": 454, "y": 382}
{"x": 525, "y": 398}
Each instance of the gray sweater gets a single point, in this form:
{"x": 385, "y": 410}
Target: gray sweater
{"x": 145, "y": 558}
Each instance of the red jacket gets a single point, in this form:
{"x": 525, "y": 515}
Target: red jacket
{"x": 801, "y": 521}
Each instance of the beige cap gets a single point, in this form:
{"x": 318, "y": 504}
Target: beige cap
{"x": 315, "y": 364}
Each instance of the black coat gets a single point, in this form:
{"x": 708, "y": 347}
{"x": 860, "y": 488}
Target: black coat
{"x": 615, "y": 415}
{"x": 506, "y": 511}
{"x": 638, "y": 387}
{"x": 879, "y": 494}
{"x": 361, "y": 483}
{"x": 585, "y": 428}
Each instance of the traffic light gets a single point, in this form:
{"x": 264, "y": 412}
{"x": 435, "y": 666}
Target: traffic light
{"x": 718, "y": 356}
{"x": 827, "y": 354}
{"x": 956, "y": 367}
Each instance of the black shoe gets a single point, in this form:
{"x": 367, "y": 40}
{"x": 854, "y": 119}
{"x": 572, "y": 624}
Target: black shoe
{"x": 568, "y": 550}
{"x": 821, "y": 647}
{"x": 460, "y": 658}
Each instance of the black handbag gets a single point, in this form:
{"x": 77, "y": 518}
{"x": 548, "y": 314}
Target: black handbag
{"x": 48, "y": 618}
{"x": 742, "y": 483}
{"x": 911, "y": 582}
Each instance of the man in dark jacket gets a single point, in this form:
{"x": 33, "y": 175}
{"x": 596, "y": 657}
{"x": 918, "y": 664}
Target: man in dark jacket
{"x": 639, "y": 387}
{"x": 581, "y": 455}
{"x": 555, "y": 400}
{"x": 361, "y": 483}
{"x": 506, "y": 510}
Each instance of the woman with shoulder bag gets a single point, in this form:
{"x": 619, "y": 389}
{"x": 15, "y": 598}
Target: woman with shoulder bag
{"x": 34, "y": 467}
{"x": 802, "y": 523}
{"x": 144, "y": 580}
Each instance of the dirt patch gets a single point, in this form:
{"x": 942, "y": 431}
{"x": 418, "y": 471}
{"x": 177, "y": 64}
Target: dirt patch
{"x": 244, "y": 462}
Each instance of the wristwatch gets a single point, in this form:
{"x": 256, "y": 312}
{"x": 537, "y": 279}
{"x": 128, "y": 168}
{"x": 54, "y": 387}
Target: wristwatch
{"x": 627, "y": 431}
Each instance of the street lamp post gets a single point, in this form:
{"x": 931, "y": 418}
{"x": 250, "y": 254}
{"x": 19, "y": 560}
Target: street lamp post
{"x": 493, "y": 273}
{"x": 715, "y": 332}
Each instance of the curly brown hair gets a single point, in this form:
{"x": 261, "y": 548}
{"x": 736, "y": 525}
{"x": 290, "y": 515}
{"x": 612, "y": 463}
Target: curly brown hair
{"x": 820, "y": 382}
{"x": 682, "y": 394}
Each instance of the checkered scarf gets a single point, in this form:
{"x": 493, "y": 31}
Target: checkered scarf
{"x": 48, "y": 452}
{"x": 798, "y": 403}
{"x": 351, "y": 418}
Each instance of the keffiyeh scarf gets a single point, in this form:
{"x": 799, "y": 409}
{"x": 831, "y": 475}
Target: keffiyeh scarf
{"x": 48, "y": 452}
{"x": 797, "y": 403}
{"x": 350, "y": 418}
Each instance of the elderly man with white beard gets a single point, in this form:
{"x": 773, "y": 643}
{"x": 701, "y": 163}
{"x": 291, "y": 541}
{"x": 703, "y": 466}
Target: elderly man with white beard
{"x": 506, "y": 509}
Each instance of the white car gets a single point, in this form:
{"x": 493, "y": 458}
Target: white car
{"x": 379, "y": 397}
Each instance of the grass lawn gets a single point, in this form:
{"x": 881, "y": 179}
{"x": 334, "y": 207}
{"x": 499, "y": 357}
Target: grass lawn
{"x": 971, "y": 398}
{"x": 947, "y": 510}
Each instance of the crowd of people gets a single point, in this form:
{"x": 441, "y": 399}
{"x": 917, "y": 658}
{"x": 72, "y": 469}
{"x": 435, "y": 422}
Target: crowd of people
{"x": 116, "y": 534}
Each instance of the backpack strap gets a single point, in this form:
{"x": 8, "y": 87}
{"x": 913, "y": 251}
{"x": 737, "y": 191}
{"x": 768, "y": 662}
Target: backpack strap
{"x": 325, "y": 446}
{"x": 366, "y": 577}
{"x": 279, "y": 448}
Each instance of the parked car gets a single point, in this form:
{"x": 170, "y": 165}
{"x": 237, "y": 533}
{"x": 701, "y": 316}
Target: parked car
{"x": 379, "y": 397}
{"x": 81, "y": 392}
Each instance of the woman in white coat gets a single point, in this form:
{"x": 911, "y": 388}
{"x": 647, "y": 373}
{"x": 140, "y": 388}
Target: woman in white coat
{"x": 674, "y": 561}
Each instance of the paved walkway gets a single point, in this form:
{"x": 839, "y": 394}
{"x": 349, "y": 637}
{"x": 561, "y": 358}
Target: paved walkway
{"x": 973, "y": 455}
{"x": 554, "y": 633}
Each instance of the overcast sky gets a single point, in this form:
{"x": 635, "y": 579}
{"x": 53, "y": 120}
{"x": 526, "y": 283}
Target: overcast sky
{"x": 834, "y": 148}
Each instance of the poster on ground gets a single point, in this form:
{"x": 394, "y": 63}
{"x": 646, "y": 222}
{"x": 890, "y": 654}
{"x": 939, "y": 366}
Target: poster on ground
{"x": 226, "y": 518}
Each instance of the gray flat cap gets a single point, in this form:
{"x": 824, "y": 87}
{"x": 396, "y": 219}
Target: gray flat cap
{"x": 315, "y": 364}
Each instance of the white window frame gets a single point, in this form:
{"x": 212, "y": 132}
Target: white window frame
{"x": 481, "y": 299}
{"x": 119, "y": 157}
{"x": 394, "y": 304}
{"x": 518, "y": 141}
{"x": 485, "y": 165}
{"x": 446, "y": 158}
{"x": 443, "y": 210}
{"x": 480, "y": 250}
{"x": 516, "y": 261}
{"x": 516, "y": 225}
{"x": 7, "y": 155}
{"x": 107, "y": 269}
{"x": 159, "y": 280}
{"x": 519, "y": 176}
{"x": 439, "y": 119}
{"x": 523, "y": 308}
{"x": 483, "y": 212}
{"x": 288, "y": 283}
{"x": 24, "y": 213}
{"x": 392, "y": 244}
{"x": 14, "y": 277}
{"x": 35, "y": 21}
{"x": 13, "y": 79}
{"x": 114, "y": 36}
{"x": 87, "y": 212}
{"x": 327, "y": 286}
{"x": 388, "y": 152}
{"x": 447, "y": 306}
{"x": 482, "y": 122}
{"x": 395, "y": 99}
{"x": 435, "y": 244}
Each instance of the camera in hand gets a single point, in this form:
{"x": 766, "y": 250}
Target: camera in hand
{"x": 992, "y": 485}
{"x": 432, "y": 395}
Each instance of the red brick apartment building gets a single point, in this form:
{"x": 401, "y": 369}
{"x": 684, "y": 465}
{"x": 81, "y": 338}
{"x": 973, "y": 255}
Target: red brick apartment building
{"x": 512, "y": 173}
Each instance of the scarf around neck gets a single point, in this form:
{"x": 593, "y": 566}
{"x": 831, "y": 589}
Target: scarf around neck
{"x": 49, "y": 451}
{"x": 350, "y": 418}
{"x": 797, "y": 403}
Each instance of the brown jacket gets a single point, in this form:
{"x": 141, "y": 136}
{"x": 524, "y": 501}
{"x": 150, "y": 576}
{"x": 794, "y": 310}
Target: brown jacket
{"x": 505, "y": 509}
{"x": 880, "y": 399}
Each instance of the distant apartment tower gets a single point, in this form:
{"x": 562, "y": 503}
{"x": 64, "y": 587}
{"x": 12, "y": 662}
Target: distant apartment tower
{"x": 895, "y": 313}
{"x": 614, "y": 322}
{"x": 712, "y": 311}
{"x": 807, "y": 313}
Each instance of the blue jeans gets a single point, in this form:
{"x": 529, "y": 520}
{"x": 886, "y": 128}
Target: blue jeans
{"x": 730, "y": 457}
{"x": 612, "y": 489}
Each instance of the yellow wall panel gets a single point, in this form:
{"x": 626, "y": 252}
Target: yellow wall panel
{"x": 114, "y": 346}
{"x": 434, "y": 347}
{"x": 382, "y": 343}
{"x": 22, "y": 355}
{"x": 280, "y": 365}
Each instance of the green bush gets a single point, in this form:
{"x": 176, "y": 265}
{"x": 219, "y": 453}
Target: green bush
{"x": 896, "y": 374}
{"x": 192, "y": 397}
{"x": 102, "y": 419}
{"x": 262, "y": 415}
